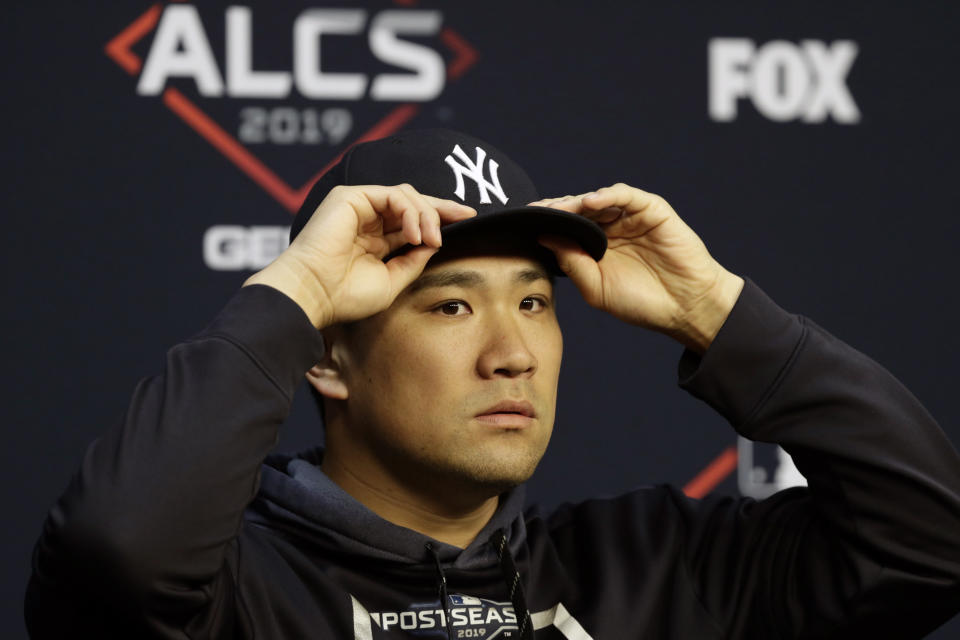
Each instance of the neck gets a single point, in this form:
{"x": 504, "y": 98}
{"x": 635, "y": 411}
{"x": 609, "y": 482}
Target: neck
{"x": 453, "y": 522}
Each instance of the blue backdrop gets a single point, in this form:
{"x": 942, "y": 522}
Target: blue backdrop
{"x": 155, "y": 151}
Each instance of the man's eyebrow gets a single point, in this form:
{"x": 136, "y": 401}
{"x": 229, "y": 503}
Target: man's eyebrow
{"x": 531, "y": 275}
{"x": 465, "y": 278}
{"x": 450, "y": 278}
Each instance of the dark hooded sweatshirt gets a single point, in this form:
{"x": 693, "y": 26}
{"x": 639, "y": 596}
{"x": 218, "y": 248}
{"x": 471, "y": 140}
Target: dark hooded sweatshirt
{"x": 174, "y": 527}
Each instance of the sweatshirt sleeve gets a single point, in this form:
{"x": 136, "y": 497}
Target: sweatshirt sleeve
{"x": 139, "y": 542}
{"x": 872, "y": 548}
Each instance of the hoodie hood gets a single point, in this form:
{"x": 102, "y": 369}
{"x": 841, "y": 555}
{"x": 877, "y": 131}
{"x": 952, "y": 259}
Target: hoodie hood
{"x": 297, "y": 496}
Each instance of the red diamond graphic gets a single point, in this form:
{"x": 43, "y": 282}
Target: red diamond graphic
{"x": 119, "y": 49}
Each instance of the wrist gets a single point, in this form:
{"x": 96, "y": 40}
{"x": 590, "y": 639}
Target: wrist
{"x": 288, "y": 277}
{"x": 703, "y": 322}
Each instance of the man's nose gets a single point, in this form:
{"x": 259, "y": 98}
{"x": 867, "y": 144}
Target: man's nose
{"x": 506, "y": 349}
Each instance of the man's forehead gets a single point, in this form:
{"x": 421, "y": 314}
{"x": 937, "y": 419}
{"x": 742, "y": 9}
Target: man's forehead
{"x": 473, "y": 271}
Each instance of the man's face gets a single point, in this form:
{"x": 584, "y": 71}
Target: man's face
{"x": 457, "y": 380}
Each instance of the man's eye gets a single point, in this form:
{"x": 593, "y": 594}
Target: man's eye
{"x": 453, "y": 308}
{"x": 533, "y": 303}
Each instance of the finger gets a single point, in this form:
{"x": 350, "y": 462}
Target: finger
{"x": 619, "y": 195}
{"x": 411, "y": 223}
{"x": 391, "y": 207}
{"x": 378, "y": 245}
{"x": 449, "y": 210}
{"x": 375, "y": 199}
{"x": 430, "y": 227}
{"x": 602, "y": 216}
{"x": 399, "y": 205}
{"x": 642, "y": 211}
{"x": 406, "y": 268}
{"x": 429, "y": 217}
{"x": 395, "y": 237}
{"x": 578, "y": 265}
{"x": 394, "y": 240}
{"x": 372, "y": 206}
{"x": 570, "y": 204}
{"x": 575, "y": 204}
{"x": 548, "y": 202}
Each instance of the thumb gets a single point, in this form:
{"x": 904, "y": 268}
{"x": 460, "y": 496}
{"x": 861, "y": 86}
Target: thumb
{"x": 405, "y": 268}
{"x": 578, "y": 265}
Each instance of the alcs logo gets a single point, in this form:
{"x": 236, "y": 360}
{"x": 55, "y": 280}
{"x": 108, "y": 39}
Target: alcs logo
{"x": 337, "y": 107}
{"x": 181, "y": 48}
{"x": 783, "y": 81}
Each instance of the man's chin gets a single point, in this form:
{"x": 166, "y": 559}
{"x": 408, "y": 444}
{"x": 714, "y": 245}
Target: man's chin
{"x": 496, "y": 487}
{"x": 486, "y": 472}
{"x": 471, "y": 490}
{"x": 495, "y": 477}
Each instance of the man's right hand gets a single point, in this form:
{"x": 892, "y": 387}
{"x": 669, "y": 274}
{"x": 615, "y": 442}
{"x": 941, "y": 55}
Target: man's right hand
{"x": 334, "y": 269}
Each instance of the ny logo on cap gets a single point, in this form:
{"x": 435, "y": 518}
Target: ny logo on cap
{"x": 474, "y": 171}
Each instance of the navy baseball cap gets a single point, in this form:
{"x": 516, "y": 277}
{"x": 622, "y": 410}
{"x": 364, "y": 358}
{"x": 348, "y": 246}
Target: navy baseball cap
{"x": 452, "y": 165}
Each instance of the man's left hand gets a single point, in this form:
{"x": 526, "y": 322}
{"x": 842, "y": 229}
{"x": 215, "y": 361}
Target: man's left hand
{"x": 656, "y": 273}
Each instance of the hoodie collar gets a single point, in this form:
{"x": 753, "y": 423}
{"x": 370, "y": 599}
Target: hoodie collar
{"x": 296, "y": 495}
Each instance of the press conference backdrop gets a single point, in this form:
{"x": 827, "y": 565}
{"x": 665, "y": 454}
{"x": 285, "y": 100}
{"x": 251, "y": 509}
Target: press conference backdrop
{"x": 155, "y": 151}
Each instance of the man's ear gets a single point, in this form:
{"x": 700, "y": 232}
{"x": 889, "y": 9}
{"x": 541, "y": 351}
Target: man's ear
{"x": 326, "y": 378}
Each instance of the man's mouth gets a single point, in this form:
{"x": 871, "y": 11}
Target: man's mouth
{"x": 508, "y": 413}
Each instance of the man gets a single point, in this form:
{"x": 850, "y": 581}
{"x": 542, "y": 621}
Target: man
{"x": 438, "y": 378}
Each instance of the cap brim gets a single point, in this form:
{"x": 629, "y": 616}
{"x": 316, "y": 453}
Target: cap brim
{"x": 528, "y": 222}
